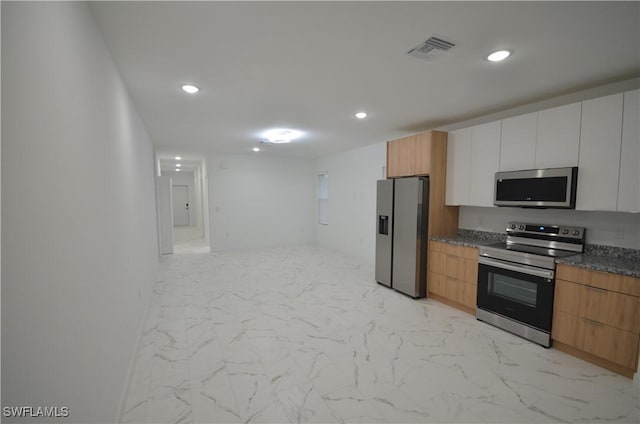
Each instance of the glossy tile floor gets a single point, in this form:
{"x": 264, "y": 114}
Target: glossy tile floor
{"x": 302, "y": 334}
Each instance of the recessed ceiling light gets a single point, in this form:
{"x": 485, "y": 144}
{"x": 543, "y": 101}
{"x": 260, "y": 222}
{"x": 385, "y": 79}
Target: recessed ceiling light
{"x": 177, "y": 169}
{"x": 280, "y": 135}
{"x": 191, "y": 89}
{"x": 178, "y": 165}
{"x": 178, "y": 158}
{"x": 361, "y": 115}
{"x": 499, "y": 55}
{"x": 256, "y": 149}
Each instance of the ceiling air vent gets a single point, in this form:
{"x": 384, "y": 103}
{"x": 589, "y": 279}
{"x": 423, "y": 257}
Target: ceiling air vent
{"x": 430, "y": 48}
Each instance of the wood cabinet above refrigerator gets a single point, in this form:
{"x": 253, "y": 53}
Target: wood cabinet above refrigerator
{"x": 416, "y": 155}
{"x": 425, "y": 154}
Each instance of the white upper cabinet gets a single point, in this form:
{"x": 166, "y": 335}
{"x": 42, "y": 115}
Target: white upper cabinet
{"x": 458, "y": 164}
{"x": 629, "y": 187}
{"x": 518, "y": 142}
{"x": 485, "y": 161}
{"x": 599, "y": 159}
{"x": 558, "y": 137}
{"x": 600, "y": 136}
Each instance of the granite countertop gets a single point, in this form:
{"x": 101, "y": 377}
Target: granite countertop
{"x": 607, "y": 259}
{"x": 471, "y": 238}
{"x": 596, "y": 257}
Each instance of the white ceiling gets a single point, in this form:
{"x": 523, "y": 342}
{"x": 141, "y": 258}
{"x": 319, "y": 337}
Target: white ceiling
{"x": 312, "y": 65}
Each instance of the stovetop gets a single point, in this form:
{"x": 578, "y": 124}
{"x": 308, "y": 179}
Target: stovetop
{"x": 542, "y": 251}
{"x": 536, "y": 245}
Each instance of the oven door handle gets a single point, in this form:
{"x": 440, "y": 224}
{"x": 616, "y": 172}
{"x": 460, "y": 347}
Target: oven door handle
{"x": 524, "y": 269}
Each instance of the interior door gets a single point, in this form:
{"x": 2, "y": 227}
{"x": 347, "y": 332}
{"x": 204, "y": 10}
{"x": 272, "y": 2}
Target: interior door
{"x": 180, "y": 195}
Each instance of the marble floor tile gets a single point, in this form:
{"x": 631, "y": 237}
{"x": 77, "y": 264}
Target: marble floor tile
{"x": 303, "y": 334}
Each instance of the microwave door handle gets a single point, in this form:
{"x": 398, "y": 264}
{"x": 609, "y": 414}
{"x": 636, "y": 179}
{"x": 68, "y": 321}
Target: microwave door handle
{"x": 524, "y": 269}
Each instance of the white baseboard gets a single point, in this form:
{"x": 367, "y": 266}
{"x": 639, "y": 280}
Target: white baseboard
{"x": 127, "y": 383}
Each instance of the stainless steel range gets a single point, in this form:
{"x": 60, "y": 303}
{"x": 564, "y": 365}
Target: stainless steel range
{"x": 516, "y": 279}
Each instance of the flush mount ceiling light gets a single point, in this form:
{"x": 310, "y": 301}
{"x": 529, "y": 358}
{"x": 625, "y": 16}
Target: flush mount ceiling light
{"x": 178, "y": 158}
{"x": 191, "y": 89}
{"x": 361, "y": 115}
{"x": 498, "y": 56}
{"x": 280, "y": 135}
{"x": 256, "y": 149}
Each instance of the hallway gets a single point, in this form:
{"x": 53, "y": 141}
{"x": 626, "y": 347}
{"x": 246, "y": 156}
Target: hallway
{"x": 301, "y": 334}
{"x": 189, "y": 240}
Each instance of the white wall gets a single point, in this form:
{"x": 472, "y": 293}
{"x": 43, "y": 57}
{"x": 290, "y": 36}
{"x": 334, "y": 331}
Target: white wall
{"x": 608, "y": 228}
{"x": 188, "y": 179}
{"x": 197, "y": 204}
{"x": 1, "y": 204}
{"x": 164, "y": 214}
{"x": 352, "y": 200}
{"x": 79, "y": 231}
{"x": 205, "y": 204}
{"x": 260, "y": 201}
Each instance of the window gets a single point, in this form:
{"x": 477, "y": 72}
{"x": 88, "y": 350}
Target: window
{"x": 323, "y": 199}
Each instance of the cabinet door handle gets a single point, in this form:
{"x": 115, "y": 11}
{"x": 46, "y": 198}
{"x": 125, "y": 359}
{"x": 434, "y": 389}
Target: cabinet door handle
{"x": 597, "y": 289}
{"x": 596, "y": 323}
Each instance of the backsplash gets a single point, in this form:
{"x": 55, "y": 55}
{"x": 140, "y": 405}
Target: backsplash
{"x": 603, "y": 228}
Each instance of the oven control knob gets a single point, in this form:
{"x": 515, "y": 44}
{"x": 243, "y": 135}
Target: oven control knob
{"x": 513, "y": 226}
{"x": 521, "y": 227}
{"x": 565, "y": 231}
{"x": 576, "y": 232}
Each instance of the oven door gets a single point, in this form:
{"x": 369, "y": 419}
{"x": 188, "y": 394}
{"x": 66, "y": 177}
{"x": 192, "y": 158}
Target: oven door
{"x": 520, "y": 292}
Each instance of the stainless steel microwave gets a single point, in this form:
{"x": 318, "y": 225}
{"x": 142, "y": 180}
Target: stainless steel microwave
{"x": 537, "y": 188}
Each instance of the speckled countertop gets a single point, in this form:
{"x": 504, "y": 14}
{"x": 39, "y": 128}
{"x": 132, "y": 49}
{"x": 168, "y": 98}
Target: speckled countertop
{"x": 607, "y": 259}
{"x": 596, "y": 257}
{"x": 471, "y": 238}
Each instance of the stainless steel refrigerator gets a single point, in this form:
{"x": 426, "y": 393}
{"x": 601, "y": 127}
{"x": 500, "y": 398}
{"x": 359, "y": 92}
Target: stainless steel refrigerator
{"x": 401, "y": 238}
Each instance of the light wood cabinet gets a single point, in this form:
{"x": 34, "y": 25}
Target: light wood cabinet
{"x": 609, "y": 344}
{"x": 599, "y": 160}
{"x": 597, "y": 317}
{"x": 401, "y": 157}
{"x": 425, "y": 154}
{"x": 629, "y": 186}
{"x": 604, "y": 306}
{"x": 416, "y": 155}
{"x": 453, "y": 274}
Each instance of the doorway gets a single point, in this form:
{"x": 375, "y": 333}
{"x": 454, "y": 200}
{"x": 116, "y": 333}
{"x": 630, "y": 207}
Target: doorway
{"x": 187, "y": 206}
{"x": 180, "y": 196}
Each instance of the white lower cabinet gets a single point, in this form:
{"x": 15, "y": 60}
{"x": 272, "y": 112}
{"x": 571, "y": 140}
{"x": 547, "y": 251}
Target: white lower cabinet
{"x": 599, "y": 160}
{"x": 629, "y": 185}
{"x": 485, "y": 162}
